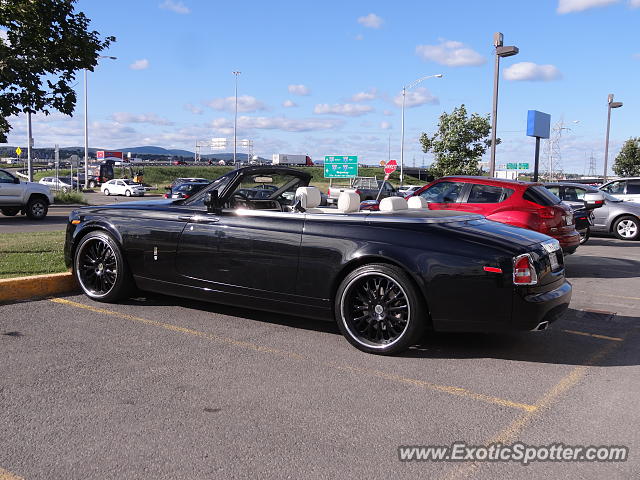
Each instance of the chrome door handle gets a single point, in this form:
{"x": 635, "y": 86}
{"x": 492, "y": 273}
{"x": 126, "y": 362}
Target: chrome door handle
{"x": 204, "y": 219}
{"x": 185, "y": 218}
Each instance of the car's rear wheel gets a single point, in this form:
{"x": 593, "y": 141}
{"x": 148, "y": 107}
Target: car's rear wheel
{"x": 92, "y": 184}
{"x": 106, "y": 192}
{"x": 379, "y": 309}
{"x": 37, "y": 208}
{"x": 627, "y": 228}
{"x": 127, "y": 193}
{"x": 584, "y": 235}
{"x": 10, "y": 212}
{"x": 100, "y": 268}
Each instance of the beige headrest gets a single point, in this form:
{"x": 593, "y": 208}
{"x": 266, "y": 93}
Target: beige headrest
{"x": 348, "y": 202}
{"x": 393, "y": 204}
{"x": 417, "y": 202}
{"x": 309, "y": 197}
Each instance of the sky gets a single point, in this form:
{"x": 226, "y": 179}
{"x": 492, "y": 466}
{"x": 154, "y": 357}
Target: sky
{"x": 325, "y": 78}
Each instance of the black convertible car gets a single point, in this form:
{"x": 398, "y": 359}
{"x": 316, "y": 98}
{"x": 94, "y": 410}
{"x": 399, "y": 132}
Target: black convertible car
{"x": 255, "y": 238}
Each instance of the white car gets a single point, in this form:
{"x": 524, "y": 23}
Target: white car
{"x": 63, "y": 184}
{"x": 408, "y": 189}
{"x": 624, "y": 188}
{"x": 124, "y": 187}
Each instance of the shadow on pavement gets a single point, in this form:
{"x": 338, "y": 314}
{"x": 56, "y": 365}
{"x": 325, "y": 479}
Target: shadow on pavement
{"x": 601, "y": 267}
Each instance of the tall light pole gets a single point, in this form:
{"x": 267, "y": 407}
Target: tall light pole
{"x": 501, "y": 51}
{"x": 235, "y": 122}
{"x": 86, "y": 125}
{"x": 404, "y": 94}
{"x": 610, "y": 104}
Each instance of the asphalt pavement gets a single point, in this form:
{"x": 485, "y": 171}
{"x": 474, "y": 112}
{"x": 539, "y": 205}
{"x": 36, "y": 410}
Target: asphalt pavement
{"x": 162, "y": 388}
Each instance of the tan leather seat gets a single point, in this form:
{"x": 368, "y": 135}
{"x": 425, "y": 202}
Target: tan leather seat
{"x": 309, "y": 198}
{"x": 393, "y": 204}
{"x": 417, "y": 202}
{"x": 348, "y": 202}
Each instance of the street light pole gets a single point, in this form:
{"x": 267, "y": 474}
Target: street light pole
{"x": 501, "y": 51}
{"x": 610, "y": 104}
{"x": 235, "y": 122}
{"x": 404, "y": 94}
{"x": 86, "y": 125}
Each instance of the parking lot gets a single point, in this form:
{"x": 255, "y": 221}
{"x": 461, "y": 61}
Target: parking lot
{"x": 160, "y": 387}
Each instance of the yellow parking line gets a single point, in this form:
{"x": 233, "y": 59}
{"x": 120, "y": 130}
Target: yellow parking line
{"x": 515, "y": 428}
{"x": 457, "y": 391}
{"x": 594, "y": 335}
{"x": 6, "y": 475}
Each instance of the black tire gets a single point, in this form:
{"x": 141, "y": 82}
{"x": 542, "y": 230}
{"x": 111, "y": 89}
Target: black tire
{"x": 627, "y": 227}
{"x": 92, "y": 184}
{"x": 10, "y": 211}
{"x": 37, "y": 208}
{"x": 106, "y": 192}
{"x": 127, "y": 193}
{"x": 393, "y": 311}
{"x": 100, "y": 268}
{"x": 584, "y": 235}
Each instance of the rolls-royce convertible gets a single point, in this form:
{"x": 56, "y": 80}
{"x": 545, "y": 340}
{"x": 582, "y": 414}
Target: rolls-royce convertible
{"x": 256, "y": 238}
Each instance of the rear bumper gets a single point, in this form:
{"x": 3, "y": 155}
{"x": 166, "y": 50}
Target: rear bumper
{"x": 530, "y": 310}
{"x": 569, "y": 242}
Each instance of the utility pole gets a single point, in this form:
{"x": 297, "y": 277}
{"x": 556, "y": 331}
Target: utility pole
{"x": 235, "y": 122}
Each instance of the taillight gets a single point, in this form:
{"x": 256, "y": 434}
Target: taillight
{"x": 357, "y": 192}
{"x": 547, "y": 212}
{"x": 524, "y": 272}
{"x": 184, "y": 195}
{"x": 166, "y": 195}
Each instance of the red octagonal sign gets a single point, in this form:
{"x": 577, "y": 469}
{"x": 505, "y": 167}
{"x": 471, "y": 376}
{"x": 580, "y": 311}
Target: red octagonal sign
{"x": 390, "y": 167}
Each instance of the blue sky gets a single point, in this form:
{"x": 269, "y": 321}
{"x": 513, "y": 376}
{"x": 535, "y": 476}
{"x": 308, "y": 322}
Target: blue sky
{"x": 324, "y": 77}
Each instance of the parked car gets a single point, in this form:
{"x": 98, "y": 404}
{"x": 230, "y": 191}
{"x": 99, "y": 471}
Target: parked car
{"x": 180, "y": 180}
{"x": 30, "y": 198}
{"x": 178, "y": 162}
{"x": 616, "y": 216}
{"x": 624, "y": 188}
{"x": 120, "y": 186}
{"x": 406, "y": 190}
{"x": 185, "y": 190}
{"x": 522, "y": 204}
{"x": 64, "y": 184}
{"x": 384, "y": 277}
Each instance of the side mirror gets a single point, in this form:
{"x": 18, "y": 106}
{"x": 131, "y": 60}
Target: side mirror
{"x": 593, "y": 200}
{"x": 212, "y": 201}
{"x": 16, "y": 180}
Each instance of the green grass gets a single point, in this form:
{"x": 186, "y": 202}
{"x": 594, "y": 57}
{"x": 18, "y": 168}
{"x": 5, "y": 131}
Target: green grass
{"x": 33, "y": 253}
{"x": 69, "y": 197}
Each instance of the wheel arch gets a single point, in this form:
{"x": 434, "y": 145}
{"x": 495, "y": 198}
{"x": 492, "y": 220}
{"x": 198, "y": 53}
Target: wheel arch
{"x": 93, "y": 227}
{"x": 618, "y": 217}
{"x": 36, "y": 195}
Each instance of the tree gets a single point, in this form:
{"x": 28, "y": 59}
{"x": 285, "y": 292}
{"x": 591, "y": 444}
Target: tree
{"x": 627, "y": 162}
{"x": 459, "y": 143}
{"x": 42, "y": 44}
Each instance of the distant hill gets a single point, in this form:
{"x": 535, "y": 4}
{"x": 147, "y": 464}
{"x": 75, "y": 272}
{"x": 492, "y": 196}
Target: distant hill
{"x": 153, "y": 150}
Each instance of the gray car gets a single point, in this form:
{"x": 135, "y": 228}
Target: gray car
{"x": 618, "y": 217}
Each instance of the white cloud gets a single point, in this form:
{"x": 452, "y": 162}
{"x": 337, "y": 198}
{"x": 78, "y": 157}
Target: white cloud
{"x": 299, "y": 90}
{"x": 385, "y": 125}
{"x": 176, "y": 7}
{"x": 371, "y": 21}
{"x": 225, "y": 126}
{"x": 371, "y": 94}
{"x": 569, "y": 6}
{"x": 416, "y": 97}
{"x": 246, "y": 103}
{"x": 193, "y": 109}
{"x": 141, "y": 64}
{"x": 636, "y": 56}
{"x": 634, "y": 3}
{"x": 450, "y": 53}
{"x": 388, "y": 113}
{"x": 346, "y": 109}
{"x": 151, "y": 118}
{"x": 533, "y": 72}
{"x": 289, "y": 104}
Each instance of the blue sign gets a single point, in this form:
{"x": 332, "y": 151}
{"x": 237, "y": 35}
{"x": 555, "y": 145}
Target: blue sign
{"x": 538, "y": 124}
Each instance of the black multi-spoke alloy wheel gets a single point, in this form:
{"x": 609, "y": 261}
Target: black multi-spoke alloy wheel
{"x": 10, "y": 211}
{"x": 379, "y": 309}
{"x": 37, "y": 208}
{"x": 101, "y": 269}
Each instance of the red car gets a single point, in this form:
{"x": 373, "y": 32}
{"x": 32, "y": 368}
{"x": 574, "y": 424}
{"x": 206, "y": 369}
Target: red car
{"x": 523, "y": 204}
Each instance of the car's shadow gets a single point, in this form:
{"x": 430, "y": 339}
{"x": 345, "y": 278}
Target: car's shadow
{"x": 604, "y": 240}
{"x": 557, "y": 345}
{"x": 601, "y": 267}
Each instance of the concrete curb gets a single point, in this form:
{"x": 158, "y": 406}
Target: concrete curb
{"x": 37, "y": 286}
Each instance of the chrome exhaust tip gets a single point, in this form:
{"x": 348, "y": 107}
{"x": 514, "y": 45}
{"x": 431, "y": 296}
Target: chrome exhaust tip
{"x": 541, "y": 326}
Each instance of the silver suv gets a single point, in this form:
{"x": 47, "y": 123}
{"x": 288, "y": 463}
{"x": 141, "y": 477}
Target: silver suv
{"x": 30, "y": 198}
{"x": 624, "y": 188}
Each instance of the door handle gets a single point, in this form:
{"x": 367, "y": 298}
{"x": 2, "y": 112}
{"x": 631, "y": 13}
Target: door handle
{"x": 184, "y": 218}
{"x": 204, "y": 219}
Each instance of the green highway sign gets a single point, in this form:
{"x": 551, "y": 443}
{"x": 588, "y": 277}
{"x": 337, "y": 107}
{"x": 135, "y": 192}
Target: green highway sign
{"x": 517, "y": 166}
{"x": 340, "y": 166}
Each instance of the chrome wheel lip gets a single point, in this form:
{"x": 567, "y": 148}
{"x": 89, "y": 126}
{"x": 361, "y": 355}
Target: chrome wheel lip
{"x": 89, "y": 290}
{"x": 343, "y": 319}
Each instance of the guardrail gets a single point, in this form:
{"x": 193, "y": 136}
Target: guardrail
{"x": 23, "y": 171}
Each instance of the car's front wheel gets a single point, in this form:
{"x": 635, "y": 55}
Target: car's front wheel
{"x": 127, "y": 193}
{"x": 100, "y": 268}
{"x": 627, "y": 228}
{"x": 379, "y": 309}
{"x": 37, "y": 208}
{"x": 10, "y": 211}
{"x": 92, "y": 184}
{"x": 106, "y": 192}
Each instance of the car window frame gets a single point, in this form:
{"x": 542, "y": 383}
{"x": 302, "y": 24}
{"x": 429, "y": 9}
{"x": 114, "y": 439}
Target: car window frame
{"x": 501, "y": 199}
